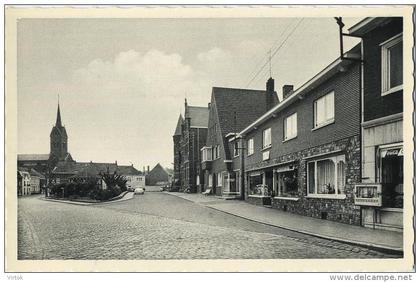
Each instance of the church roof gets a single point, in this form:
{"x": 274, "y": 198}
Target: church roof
{"x": 33, "y": 157}
{"x": 199, "y": 116}
{"x": 85, "y": 169}
{"x": 178, "y": 129}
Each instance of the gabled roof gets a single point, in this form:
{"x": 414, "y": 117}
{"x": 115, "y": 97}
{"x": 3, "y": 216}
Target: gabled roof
{"x": 158, "y": 168}
{"x": 178, "y": 129}
{"x": 246, "y": 104}
{"x": 33, "y": 157}
{"x": 367, "y": 24}
{"x": 236, "y": 108}
{"x": 34, "y": 172}
{"x": 328, "y": 72}
{"x": 199, "y": 116}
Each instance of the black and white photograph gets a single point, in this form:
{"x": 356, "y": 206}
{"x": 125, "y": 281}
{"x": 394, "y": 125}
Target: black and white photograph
{"x": 237, "y": 137}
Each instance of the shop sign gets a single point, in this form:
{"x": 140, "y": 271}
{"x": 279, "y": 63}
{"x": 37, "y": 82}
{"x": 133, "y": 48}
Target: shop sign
{"x": 266, "y": 155}
{"x": 368, "y": 195}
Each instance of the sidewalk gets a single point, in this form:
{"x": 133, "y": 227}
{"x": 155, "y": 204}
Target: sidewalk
{"x": 367, "y": 237}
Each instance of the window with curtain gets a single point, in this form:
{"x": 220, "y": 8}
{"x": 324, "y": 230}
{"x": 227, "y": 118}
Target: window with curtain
{"x": 392, "y": 65}
{"x": 267, "y": 138}
{"x": 327, "y": 176}
{"x": 250, "y": 146}
{"x": 290, "y": 127}
{"x": 324, "y": 110}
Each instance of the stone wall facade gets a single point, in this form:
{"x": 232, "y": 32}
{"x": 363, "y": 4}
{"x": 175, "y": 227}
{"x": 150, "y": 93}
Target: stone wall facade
{"x": 335, "y": 209}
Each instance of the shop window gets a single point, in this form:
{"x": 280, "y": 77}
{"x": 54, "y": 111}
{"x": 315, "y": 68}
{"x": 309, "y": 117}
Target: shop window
{"x": 236, "y": 181}
{"x": 288, "y": 184}
{"x": 290, "y": 127}
{"x": 324, "y": 110}
{"x": 392, "y": 175}
{"x": 392, "y": 65}
{"x": 255, "y": 182}
{"x": 210, "y": 180}
{"x": 267, "y": 138}
{"x": 327, "y": 176}
{"x": 250, "y": 146}
{"x": 219, "y": 179}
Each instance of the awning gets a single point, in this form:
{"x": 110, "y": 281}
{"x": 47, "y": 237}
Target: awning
{"x": 255, "y": 173}
{"x": 284, "y": 168}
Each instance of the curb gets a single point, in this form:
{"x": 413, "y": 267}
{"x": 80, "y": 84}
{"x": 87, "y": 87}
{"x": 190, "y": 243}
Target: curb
{"x": 114, "y": 200}
{"x": 376, "y": 247}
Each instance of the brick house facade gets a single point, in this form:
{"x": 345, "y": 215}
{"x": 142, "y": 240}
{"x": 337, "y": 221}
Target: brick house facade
{"x": 190, "y": 135}
{"x": 231, "y": 110}
{"x": 382, "y": 120}
{"x": 303, "y": 156}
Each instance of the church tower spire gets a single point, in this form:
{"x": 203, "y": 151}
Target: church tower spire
{"x": 58, "y": 138}
{"x": 58, "y": 121}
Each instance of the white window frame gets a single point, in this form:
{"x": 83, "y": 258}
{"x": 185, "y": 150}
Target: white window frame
{"x": 385, "y": 64}
{"x": 250, "y": 146}
{"x": 236, "y": 148}
{"x": 326, "y": 121}
{"x": 266, "y": 144}
{"x": 206, "y": 154}
{"x": 210, "y": 184}
{"x": 285, "y": 127}
{"x": 336, "y": 160}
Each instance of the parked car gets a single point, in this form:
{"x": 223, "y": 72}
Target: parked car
{"x": 130, "y": 189}
{"x": 139, "y": 191}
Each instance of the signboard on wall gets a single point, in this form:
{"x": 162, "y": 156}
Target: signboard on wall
{"x": 368, "y": 195}
{"x": 266, "y": 155}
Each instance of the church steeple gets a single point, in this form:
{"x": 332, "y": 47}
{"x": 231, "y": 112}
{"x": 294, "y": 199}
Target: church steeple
{"x": 58, "y": 138}
{"x": 58, "y": 121}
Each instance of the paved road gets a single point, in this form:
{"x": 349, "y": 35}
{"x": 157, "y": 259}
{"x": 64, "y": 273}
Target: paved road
{"x": 159, "y": 226}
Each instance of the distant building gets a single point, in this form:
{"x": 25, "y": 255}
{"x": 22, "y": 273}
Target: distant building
{"x": 45, "y": 163}
{"x": 38, "y": 181}
{"x": 135, "y": 178}
{"x": 24, "y": 183}
{"x": 231, "y": 110}
{"x": 68, "y": 171}
{"x": 189, "y": 137}
{"x": 157, "y": 176}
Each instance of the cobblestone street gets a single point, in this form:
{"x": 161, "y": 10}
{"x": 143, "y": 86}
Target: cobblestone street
{"x": 159, "y": 226}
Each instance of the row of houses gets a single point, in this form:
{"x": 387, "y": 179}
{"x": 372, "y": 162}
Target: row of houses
{"x": 30, "y": 181}
{"x": 330, "y": 149}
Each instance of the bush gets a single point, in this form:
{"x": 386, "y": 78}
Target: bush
{"x": 89, "y": 189}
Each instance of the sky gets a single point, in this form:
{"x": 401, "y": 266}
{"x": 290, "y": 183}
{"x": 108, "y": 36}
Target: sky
{"x": 121, "y": 83}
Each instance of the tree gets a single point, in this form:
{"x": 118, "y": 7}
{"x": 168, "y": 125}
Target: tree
{"x": 114, "y": 180}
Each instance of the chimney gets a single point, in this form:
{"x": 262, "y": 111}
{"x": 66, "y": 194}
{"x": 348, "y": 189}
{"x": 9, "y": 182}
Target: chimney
{"x": 208, "y": 105}
{"x": 287, "y": 90}
{"x": 269, "y": 93}
{"x": 144, "y": 169}
{"x": 148, "y": 169}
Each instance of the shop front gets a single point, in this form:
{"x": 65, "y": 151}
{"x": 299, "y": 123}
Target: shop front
{"x": 384, "y": 166}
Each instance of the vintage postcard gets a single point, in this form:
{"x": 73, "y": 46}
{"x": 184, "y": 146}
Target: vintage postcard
{"x": 209, "y": 139}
